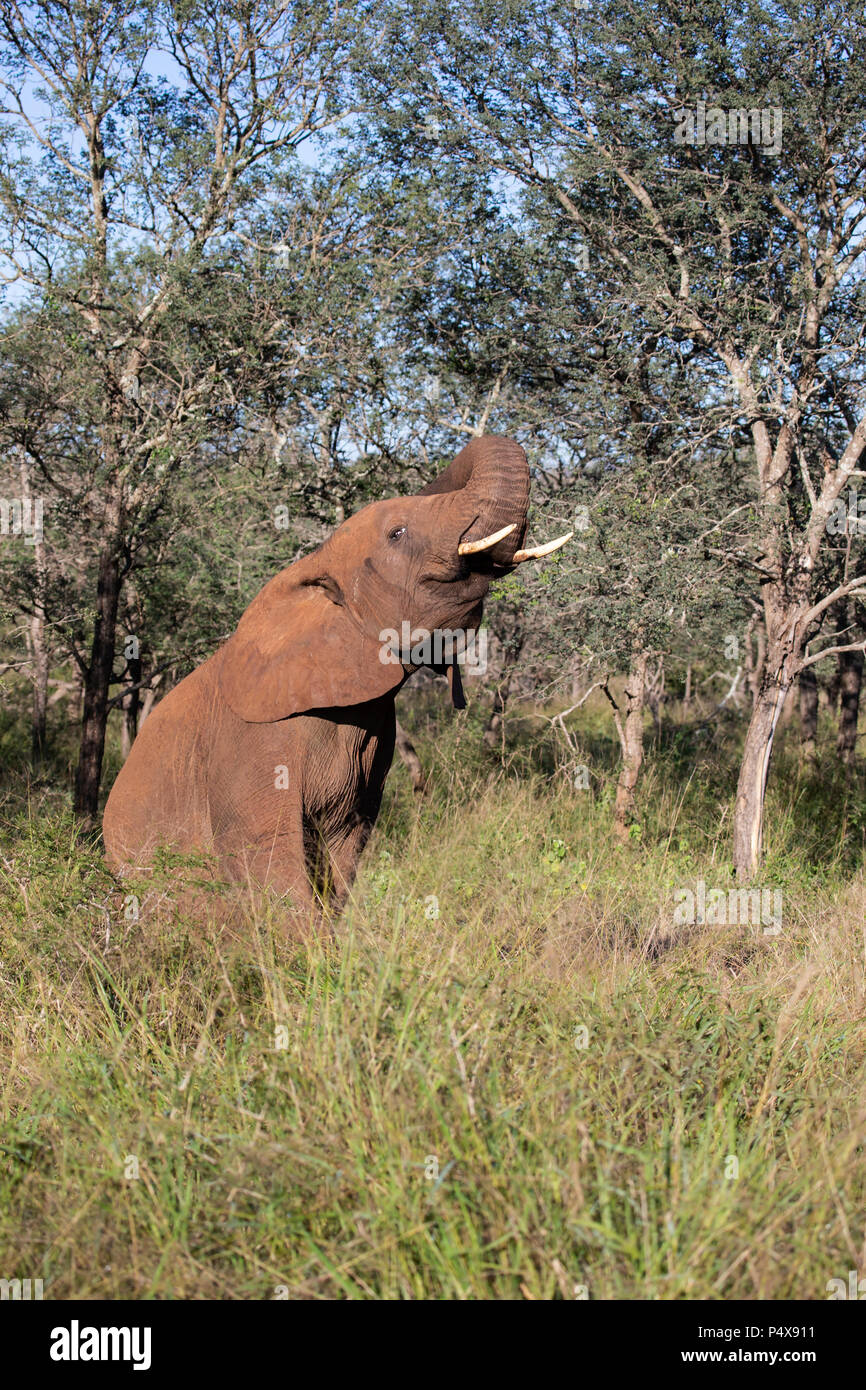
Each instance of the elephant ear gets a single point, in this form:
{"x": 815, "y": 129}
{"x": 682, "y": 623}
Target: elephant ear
{"x": 298, "y": 648}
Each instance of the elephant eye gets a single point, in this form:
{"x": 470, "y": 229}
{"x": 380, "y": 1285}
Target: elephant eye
{"x": 396, "y": 533}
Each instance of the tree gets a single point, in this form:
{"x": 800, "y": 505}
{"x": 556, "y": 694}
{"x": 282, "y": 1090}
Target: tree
{"x": 511, "y": 329}
{"x": 718, "y": 186}
{"x": 136, "y": 140}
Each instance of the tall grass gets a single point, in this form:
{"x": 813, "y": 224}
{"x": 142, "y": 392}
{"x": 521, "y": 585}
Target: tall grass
{"x": 509, "y": 1075}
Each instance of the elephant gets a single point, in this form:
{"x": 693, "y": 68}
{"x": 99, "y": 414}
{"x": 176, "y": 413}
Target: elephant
{"x": 272, "y": 755}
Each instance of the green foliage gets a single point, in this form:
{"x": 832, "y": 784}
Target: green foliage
{"x": 637, "y": 303}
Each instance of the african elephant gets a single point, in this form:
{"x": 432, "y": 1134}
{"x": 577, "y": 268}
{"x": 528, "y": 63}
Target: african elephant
{"x": 273, "y": 754}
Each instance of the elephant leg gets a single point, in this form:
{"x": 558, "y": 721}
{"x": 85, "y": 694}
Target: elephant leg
{"x": 344, "y": 851}
{"x": 275, "y": 860}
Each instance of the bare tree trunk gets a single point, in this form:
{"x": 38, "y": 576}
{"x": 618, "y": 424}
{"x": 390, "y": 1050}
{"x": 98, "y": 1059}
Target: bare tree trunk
{"x": 755, "y": 660}
{"x": 783, "y": 658}
{"x": 808, "y": 687}
{"x": 654, "y": 688}
{"x": 129, "y": 726}
{"x": 149, "y": 700}
{"x": 97, "y": 685}
{"x": 829, "y": 691}
{"x": 76, "y": 701}
{"x": 406, "y": 749}
{"x": 789, "y": 613}
{"x": 36, "y": 640}
{"x": 131, "y": 708}
{"x": 850, "y": 681}
{"x": 752, "y": 784}
{"x": 785, "y": 605}
{"x": 577, "y": 678}
{"x": 687, "y": 695}
{"x": 512, "y": 642}
{"x": 494, "y": 723}
{"x": 40, "y": 664}
{"x": 135, "y": 715}
{"x": 631, "y": 743}
{"x": 788, "y": 708}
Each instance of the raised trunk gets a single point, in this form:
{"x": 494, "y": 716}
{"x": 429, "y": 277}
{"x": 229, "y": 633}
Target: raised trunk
{"x": 631, "y": 743}
{"x": 493, "y": 475}
{"x": 97, "y": 685}
{"x": 850, "y": 681}
{"x": 808, "y": 687}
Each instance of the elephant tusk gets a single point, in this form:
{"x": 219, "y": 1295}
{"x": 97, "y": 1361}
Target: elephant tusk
{"x": 538, "y": 551}
{"x": 473, "y": 547}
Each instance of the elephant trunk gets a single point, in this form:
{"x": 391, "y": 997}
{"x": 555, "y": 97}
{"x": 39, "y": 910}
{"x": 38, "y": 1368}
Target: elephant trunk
{"x": 492, "y": 472}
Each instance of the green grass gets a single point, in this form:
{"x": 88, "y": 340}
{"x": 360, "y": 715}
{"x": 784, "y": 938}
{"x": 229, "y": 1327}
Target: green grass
{"x": 507, "y": 1076}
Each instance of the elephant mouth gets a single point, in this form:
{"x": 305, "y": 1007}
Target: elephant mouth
{"x": 472, "y": 549}
{"x": 478, "y": 547}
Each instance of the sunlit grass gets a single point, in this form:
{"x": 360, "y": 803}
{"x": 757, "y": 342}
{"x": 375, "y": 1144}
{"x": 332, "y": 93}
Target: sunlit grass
{"x": 508, "y": 1075}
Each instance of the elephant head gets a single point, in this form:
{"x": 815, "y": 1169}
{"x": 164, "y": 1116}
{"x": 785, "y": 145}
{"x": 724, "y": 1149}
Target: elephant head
{"x": 313, "y": 638}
